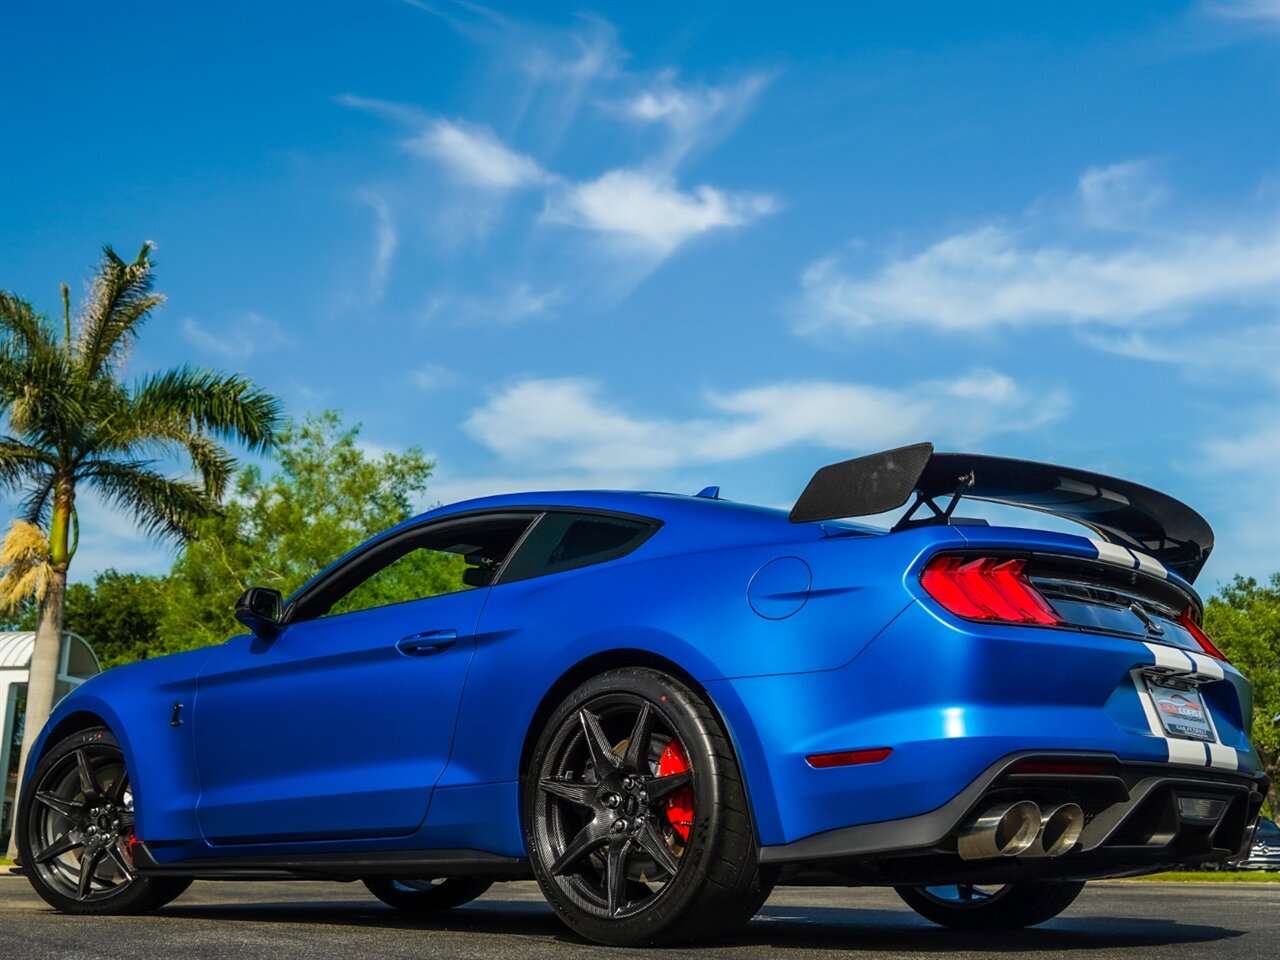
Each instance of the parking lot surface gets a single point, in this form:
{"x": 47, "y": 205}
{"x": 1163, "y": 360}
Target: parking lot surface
{"x": 512, "y": 922}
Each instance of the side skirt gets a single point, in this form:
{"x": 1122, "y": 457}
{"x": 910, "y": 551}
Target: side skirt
{"x": 397, "y": 864}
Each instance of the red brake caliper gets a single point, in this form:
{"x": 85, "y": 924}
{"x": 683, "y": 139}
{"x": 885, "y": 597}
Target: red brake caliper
{"x": 680, "y": 803}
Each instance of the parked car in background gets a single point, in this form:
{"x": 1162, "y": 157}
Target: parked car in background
{"x": 1265, "y": 852}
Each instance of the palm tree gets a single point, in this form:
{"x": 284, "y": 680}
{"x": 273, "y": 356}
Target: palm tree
{"x": 73, "y": 423}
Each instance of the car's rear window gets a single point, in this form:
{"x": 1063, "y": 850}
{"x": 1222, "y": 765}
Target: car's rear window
{"x": 566, "y": 541}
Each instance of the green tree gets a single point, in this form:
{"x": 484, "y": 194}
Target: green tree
{"x": 73, "y": 423}
{"x": 1243, "y": 619}
{"x": 118, "y": 613}
{"x": 326, "y": 496}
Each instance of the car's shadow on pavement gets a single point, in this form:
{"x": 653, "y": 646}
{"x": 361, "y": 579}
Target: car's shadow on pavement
{"x": 884, "y": 932}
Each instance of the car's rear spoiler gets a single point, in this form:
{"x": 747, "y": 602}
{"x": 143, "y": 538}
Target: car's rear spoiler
{"x": 1120, "y": 511}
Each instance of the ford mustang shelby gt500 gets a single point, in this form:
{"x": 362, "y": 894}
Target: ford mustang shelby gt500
{"x": 659, "y": 706}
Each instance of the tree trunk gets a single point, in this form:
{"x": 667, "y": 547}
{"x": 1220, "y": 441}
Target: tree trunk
{"x": 44, "y": 676}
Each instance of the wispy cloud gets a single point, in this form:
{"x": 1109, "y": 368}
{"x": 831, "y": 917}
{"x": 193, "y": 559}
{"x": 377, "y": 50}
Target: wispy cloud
{"x": 519, "y": 302}
{"x": 649, "y": 212}
{"x": 385, "y": 240}
{"x": 694, "y": 115}
{"x": 473, "y": 155}
{"x": 1263, "y": 13}
{"x": 237, "y": 339}
{"x": 572, "y": 424}
{"x": 1120, "y": 195}
{"x": 639, "y": 202}
{"x": 432, "y": 376}
{"x": 1000, "y": 275}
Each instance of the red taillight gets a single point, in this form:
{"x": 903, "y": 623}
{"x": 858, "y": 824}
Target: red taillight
{"x": 986, "y": 588}
{"x": 847, "y": 758}
{"x": 1187, "y": 619}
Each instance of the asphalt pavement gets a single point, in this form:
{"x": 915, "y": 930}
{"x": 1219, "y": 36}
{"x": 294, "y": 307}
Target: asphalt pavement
{"x": 321, "y": 920}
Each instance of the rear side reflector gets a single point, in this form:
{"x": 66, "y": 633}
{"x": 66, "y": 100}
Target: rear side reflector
{"x": 847, "y": 758}
{"x": 986, "y": 588}
{"x": 1187, "y": 619}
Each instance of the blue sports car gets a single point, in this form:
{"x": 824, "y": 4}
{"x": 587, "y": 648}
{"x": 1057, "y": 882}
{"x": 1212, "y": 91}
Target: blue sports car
{"x": 660, "y": 706}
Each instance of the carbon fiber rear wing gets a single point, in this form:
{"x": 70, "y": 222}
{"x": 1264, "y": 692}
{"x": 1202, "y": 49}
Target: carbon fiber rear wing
{"x": 1118, "y": 510}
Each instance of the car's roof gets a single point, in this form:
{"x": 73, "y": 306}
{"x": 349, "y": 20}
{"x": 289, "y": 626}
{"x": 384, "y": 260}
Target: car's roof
{"x": 748, "y": 521}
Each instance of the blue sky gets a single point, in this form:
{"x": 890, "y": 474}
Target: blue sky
{"x": 666, "y": 245}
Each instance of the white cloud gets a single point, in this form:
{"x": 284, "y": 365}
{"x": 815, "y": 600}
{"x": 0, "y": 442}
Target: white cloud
{"x": 521, "y": 302}
{"x": 693, "y": 115}
{"x": 991, "y": 276}
{"x": 1261, "y": 12}
{"x": 237, "y": 340}
{"x": 568, "y": 422}
{"x": 432, "y": 376}
{"x": 649, "y": 212}
{"x": 1121, "y": 194}
{"x": 473, "y": 155}
{"x": 1252, "y": 349}
{"x": 385, "y": 239}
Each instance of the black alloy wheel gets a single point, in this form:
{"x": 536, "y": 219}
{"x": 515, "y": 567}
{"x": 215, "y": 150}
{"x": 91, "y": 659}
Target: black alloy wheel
{"x": 76, "y": 831}
{"x": 427, "y": 896}
{"x": 636, "y": 817}
{"x": 969, "y": 906}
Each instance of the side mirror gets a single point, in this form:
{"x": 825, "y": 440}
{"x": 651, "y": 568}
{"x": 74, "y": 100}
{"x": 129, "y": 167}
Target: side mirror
{"x": 260, "y": 609}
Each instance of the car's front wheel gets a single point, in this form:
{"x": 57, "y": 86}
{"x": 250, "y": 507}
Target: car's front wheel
{"x": 75, "y": 831}
{"x": 969, "y": 906}
{"x": 635, "y": 815}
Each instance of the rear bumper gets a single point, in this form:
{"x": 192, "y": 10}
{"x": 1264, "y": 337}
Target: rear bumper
{"x": 1133, "y": 824}
{"x": 953, "y": 700}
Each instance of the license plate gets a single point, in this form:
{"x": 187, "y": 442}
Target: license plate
{"x": 1182, "y": 712}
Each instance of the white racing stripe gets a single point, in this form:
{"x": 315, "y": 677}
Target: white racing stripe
{"x": 1170, "y": 658}
{"x": 1223, "y": 756}
{"x": 1206, "y": 666}
{"x": 1113, "y": 553}
{"x": 1150, "y": 565}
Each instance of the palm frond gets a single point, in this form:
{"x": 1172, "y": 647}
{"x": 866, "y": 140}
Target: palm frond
{"x": 39, "y": 391}
{"x": 119, "y": 301}
{"x": 24, "y": 557}
{"x": 165, "y": 506}
{"x": 226, "y": 405}
{"x": 21, "y": 463}
{"x": 22, "y": 325}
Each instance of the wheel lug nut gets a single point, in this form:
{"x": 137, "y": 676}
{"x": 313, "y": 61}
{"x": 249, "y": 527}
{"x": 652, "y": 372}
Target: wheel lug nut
{"x": 619, "y": 826}
{"x": 612, "y": 800}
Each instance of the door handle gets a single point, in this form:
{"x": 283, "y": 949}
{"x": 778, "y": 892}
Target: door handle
{"x": 427, "y": 643}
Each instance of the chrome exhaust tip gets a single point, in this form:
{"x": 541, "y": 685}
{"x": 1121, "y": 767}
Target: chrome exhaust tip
{"x": 1004, "y": 830}
{"x": 1060, "y": 828}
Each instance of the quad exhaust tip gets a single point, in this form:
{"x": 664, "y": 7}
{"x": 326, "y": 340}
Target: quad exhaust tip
{"x": 1021, "y": 828}
{"x": 1060, "y": 828}
{"x": 1004, "y": 830}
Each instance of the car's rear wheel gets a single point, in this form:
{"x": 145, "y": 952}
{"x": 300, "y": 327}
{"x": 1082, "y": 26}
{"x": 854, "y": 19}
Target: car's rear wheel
{"x": 636, "y": 818}
{"x": 427, "y": 896}
{"x": 75, "y": 831}
{"x": 969, "y": 906}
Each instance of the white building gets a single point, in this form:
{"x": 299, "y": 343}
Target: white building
{"x": 76, "y": 664}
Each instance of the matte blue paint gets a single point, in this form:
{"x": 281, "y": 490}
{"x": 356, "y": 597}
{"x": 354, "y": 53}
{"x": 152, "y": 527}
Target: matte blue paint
{"x": 331, "y": 739}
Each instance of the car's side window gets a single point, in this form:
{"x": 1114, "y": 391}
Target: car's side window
{"x": 565, "y": 541}
{"x": 439, "y": 558}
